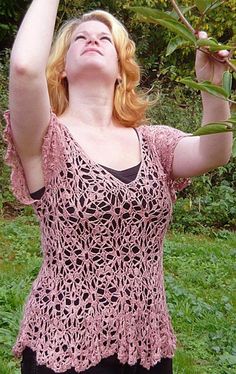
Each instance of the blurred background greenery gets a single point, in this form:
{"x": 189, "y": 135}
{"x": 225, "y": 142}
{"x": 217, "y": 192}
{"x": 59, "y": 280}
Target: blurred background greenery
{"x": 209, "y": 204}
{"x": 199, "y": 269}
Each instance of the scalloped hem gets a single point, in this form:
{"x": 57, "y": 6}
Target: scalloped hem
{"x": 124, "y": 359}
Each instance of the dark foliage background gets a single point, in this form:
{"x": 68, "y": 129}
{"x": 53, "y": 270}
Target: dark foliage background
{"x": 210, "y": 202}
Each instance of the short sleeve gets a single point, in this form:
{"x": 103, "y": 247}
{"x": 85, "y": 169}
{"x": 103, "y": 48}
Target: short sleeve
{"x": 165, "y": 139}
{"x": 52, "y": 157}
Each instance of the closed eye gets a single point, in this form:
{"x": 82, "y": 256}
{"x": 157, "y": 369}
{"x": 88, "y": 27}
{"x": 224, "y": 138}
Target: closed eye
{"x": 80, "y": 37}
{"x": 106, "y": 37}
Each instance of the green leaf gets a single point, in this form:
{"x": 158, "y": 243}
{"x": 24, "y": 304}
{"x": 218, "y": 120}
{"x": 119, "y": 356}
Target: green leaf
{"x": 227, "y": 82}
{"x": 229, "y": 359}
{"x": 164, "y": 19}
{"x": 175, "y": 43}
{"x": 202, "y": 5}
{"x": 214, "y": 90}
{"x": 206, "y": 86}
{"x": 214, "y": 39}
{"x": 234, "y": 148}
{"x": 4, "y": 27}
{"x": 183, "y": 11}
{"x": 212, "y": 128}
{"x": 232, "y": 119}
{"x": 215, "y": 46}
{"x": 214, "y": 5}
{"x": 152, "y": 13}
{"x": 178, "y": 29}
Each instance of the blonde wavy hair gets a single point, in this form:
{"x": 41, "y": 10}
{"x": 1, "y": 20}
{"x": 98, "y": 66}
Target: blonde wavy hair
{"x": 130, "y": 104}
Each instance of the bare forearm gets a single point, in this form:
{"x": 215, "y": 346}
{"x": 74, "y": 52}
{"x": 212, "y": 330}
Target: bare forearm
{"x": 214, "y": 109}
{"x": 197, "y": 155}
{"x": 33, "y": 41}
{"x": 217, "y": 146}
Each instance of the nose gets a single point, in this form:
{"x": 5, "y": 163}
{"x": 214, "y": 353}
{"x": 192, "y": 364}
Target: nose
{"x": 92, "y": 40}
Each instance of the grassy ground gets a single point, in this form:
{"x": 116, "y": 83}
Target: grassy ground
{"x": 200, "y": 283}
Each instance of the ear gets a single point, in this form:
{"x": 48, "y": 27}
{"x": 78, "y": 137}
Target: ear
{"x": 118, "y": 81}
{"x": 63, "y": 74}
{"x": 119, "y": 77}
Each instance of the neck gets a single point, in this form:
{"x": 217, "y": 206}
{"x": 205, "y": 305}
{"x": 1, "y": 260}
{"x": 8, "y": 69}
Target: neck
{"x": 91, "y": 104}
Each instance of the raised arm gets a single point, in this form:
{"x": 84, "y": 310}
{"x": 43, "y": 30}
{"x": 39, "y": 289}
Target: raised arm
{"x": 28, "y": 94}
{"x": 195, "y": 155}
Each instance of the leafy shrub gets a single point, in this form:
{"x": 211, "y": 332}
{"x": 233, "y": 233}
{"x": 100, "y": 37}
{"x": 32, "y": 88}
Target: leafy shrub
{"x": 6, "y": 197}
{"x": 210, "y": 201}
{"x": 177, "y": 106}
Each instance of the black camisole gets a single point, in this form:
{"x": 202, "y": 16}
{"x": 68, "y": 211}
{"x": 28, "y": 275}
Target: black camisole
{"x": 126, "y": 176}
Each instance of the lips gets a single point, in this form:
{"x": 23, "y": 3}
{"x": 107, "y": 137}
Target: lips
{"x": 91, "y": 50}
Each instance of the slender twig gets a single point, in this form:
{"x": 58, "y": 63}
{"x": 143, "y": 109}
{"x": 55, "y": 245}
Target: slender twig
{"x": 210, "y": 6}
{"x": 187, "y": 24}
{"x": 231, "y": 101}
{"x": 204, "y": 50}
{"x": 213, "y": 57}
{"x": 222, "y": 61}
{"x": 181, "y": 16}
{"x": 232, "y": 66}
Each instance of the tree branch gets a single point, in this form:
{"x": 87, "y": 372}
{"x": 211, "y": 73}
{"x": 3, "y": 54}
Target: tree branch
{"x": 181, "y": 16}
{"x": 232, "y": 66}
{"x": 187, "y": 24}
{"x": 210, "y": 6}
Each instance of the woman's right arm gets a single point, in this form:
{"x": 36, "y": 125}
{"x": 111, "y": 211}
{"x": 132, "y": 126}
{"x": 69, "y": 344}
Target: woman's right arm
{"x": 28, "y": 94}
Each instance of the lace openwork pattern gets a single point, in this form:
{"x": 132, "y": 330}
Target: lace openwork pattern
{"x": 100, "y": 288}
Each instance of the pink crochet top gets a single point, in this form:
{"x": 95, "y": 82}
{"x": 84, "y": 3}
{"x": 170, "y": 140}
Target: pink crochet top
{"x": 100, "y": 288}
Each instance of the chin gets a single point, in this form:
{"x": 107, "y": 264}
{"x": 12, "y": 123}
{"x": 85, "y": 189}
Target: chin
{"x": 93, "y": 70}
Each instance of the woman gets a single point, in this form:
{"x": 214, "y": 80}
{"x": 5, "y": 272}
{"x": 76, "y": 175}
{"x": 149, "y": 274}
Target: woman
{"x": 102, "y": 184}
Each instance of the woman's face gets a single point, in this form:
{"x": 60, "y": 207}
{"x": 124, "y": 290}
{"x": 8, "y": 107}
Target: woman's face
{"x": 92, "y": 53}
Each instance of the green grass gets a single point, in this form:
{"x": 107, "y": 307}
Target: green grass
{"x": 200, "y": 283}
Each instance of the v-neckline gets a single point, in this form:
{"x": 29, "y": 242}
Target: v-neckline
{"x": 99, "y": 166}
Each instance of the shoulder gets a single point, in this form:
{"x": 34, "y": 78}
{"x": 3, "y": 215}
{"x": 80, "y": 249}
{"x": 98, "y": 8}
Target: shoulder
{"x": 160, "y": 132}
{"x": 152, "y": 128}
{"x": 163, "y": 138}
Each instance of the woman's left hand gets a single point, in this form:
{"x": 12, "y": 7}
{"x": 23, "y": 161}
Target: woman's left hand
{"x": 206, "y": 67}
